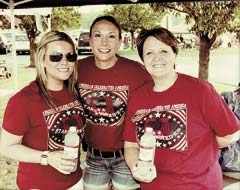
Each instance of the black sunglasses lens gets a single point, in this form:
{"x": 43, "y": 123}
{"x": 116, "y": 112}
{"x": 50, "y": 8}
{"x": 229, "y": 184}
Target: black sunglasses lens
{"x": 71, "y": 57}
{"x": 56, "y": 58}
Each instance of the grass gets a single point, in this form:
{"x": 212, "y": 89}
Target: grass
{"x": 187, "y": 52}
{"x": 215, "y": 55}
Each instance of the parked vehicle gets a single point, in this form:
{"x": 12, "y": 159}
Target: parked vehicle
{"x": 22, "y": 44}
{"x": 4, "y": 70}
{"x": 8, "y": 37}
{"x": 83, "y": 43}
{"x": 3, "y": 46}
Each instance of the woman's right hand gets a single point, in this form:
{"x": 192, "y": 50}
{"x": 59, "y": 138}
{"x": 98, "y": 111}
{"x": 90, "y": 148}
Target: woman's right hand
{"x": 61, "y": 162}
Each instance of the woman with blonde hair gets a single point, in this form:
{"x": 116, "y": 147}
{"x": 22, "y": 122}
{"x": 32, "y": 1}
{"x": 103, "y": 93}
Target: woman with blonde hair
{"x": 43, "y": 112}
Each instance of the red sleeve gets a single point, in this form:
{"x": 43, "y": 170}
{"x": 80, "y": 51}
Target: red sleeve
{"x": 16, "y": 120}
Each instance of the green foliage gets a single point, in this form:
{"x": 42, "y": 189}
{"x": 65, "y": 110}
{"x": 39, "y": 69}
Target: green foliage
{"x": 210, "y": 19}
{"x": 4, "y": 23}
{"x": 132, "y": 17}
{"x": 88, "y": 18}
{"x": 28, "y": 24}
{"x": 64, "y": 18}
{"x": 235, "y": 23}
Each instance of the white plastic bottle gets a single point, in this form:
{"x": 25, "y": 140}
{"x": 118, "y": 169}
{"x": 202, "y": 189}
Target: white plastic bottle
{"x": 71, "y": 145}
{"x": 146, "y": 152}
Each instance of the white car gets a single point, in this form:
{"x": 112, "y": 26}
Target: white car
{"x": 22, "y": 44}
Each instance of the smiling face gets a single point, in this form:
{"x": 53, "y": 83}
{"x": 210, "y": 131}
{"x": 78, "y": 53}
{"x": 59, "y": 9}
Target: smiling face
{"x": 61, "y": 70}
{"x": 159, "y": 58}
{"x": 105, "y": 42}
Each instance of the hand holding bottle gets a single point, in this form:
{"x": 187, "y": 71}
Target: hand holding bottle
{"x": 71, "y": 146}
{"x": 146, "y": 176}
{"x": 61, "y": 162}
{"x": 145, "y": 169}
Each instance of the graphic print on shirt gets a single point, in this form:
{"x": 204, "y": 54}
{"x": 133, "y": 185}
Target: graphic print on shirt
{"x": 104, "y": 105}
{"x": 59, "y": 121}
{"x": 168, "y": 123}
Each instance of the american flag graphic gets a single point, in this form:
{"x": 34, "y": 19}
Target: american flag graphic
{"x": 58, "y": 123}
{"x": 169, "y": 126}
{"x": 104, "y": 105}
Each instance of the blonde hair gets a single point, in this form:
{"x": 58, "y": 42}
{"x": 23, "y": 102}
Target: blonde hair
{"x": 41, "y": 77}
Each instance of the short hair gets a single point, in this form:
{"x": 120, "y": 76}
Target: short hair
{"x": 162, "y": 34}
{"x": 41, "y": 77}
{"x": 109, "y": 19}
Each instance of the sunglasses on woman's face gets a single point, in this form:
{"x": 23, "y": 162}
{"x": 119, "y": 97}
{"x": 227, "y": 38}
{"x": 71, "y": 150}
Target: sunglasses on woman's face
{"x": 71, "y": 57}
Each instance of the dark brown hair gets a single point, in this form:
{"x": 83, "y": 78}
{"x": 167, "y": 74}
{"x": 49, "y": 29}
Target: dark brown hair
{"x": 162, "y": 34}
{"x": 109, "y": 19}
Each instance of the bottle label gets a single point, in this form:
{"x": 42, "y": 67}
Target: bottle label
{"x": 146, "y": 153}
{"x": 71, "y": 151}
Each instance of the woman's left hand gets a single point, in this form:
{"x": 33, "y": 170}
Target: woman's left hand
{"x": 146, "y": 175}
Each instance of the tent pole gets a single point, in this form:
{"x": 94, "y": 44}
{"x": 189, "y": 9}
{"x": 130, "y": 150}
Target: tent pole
{"x": 15, "y": 66}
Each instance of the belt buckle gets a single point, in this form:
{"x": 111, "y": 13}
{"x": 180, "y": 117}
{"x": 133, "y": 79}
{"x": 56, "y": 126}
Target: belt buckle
{"x": 113, "y": 155}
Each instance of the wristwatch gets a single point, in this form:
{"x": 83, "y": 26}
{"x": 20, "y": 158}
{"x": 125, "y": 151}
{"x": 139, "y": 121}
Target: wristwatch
{"x": 44, "y": 158}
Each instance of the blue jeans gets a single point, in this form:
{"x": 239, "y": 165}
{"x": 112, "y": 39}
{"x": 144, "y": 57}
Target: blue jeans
{"x": 101, "y": 173}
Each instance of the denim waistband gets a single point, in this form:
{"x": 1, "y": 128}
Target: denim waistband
{"x": 106, "y": 154}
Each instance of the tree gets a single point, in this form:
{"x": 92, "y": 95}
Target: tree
{"x": 28, "y": 23}
{"x": 133, "y": 17}
{"x": 61, "y": 18}
{"x": 235, "y": 24}
{"x": 210, "y": 20}
{"x": 4, "y": 22}
{"x": 64, "y": 18}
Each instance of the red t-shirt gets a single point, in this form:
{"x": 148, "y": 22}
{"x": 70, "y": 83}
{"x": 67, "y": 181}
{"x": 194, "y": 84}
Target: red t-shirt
{"x": 105, "y": 94}
{"x": 43, "y": 129}
{"x": 186, "y": 119}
